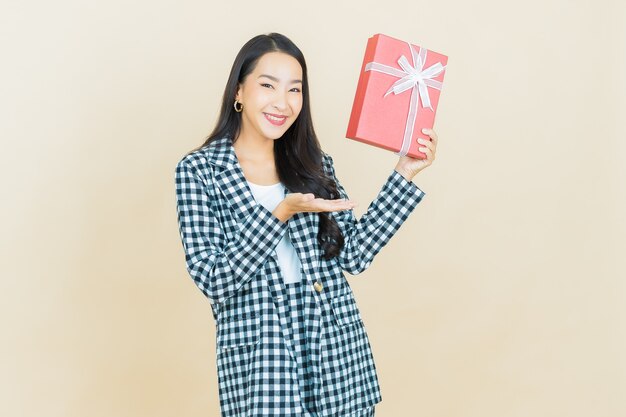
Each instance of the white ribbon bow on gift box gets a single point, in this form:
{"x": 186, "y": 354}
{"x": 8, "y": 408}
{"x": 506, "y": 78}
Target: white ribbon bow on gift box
{"x": 414, "y": 78}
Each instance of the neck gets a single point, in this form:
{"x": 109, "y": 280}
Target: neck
{"x": 253, "y": 147}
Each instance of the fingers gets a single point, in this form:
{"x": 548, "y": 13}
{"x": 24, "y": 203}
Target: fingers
{"x": 338, "y": 205}
{"x": 427, "y": 147}
{"x": 428, "y": 152}
{"x": 332, "y": 205}
{"x": 433, "y": 135}
{"x": 309, "y": 203}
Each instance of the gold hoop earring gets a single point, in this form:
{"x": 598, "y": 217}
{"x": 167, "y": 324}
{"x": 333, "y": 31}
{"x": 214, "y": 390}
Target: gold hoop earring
{"x": 238, "y": 109}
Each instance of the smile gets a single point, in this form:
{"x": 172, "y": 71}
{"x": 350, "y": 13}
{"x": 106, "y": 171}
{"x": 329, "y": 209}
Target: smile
{"x": 275, "y": 120}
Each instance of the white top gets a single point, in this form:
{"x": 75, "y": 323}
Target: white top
{"x": 269, "y": 196}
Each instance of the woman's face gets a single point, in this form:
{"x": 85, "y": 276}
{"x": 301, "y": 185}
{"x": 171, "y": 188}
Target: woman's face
{"x": 271, "y": 96}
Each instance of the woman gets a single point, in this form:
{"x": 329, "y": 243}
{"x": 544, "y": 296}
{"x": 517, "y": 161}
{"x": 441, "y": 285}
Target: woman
{"x": 267, "y": 231}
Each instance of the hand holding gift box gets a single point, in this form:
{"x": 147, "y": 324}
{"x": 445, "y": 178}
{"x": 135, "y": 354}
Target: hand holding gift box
{"x": 397, "y": 95}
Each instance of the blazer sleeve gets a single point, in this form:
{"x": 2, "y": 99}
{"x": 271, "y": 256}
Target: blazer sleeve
{"x": 365, "y": 237}
{"x": 220, "y": 267}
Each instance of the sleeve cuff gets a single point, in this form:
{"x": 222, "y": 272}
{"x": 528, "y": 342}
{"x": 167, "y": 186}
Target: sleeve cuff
{"x": 404, "y": 186}
{"x": 260, "y": 235}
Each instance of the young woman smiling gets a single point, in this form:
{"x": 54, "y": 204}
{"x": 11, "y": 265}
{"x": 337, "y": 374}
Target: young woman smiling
{"x": 268, "y": 231}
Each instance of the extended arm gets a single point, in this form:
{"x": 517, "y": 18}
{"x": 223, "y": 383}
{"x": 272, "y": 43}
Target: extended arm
{"x": 365, "y": 237}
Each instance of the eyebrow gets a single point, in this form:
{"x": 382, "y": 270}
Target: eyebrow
{"x": 276, "y": 79}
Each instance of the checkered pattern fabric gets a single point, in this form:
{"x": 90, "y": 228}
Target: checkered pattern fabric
{"x": 264, "y": 366}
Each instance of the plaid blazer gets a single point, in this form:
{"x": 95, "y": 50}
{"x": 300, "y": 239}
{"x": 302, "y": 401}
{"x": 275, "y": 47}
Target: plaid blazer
{"x": 229, "y": 241}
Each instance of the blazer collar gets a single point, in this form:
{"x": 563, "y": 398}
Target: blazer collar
{"x": 221, "y": 153}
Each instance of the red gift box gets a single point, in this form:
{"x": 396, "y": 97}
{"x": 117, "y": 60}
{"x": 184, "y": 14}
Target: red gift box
{"x": 397, "y": 95}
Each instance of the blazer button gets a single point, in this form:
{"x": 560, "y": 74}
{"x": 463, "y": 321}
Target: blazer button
{"x": 318, "y": 287}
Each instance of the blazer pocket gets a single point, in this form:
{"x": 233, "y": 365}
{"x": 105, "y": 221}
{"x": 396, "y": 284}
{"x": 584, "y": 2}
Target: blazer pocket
{"x": 238, "y": 331}
{"x": 345, "y": 309}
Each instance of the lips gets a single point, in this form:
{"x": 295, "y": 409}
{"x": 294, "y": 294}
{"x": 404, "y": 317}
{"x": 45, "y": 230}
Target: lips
{"x": 275, "y": 119}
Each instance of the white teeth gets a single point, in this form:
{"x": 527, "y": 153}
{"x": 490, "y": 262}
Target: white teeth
{"x": 278, "y": 119}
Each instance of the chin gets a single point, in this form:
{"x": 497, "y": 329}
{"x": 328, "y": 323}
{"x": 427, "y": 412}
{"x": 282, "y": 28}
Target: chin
{"x": 274, "y": 135}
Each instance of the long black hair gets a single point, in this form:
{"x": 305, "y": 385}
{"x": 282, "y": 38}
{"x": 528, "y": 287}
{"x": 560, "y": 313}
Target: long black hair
{"x": 298, "y": 155}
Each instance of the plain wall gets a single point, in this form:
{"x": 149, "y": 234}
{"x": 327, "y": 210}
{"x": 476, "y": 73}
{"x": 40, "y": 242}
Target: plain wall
{"x": 502, "y": 295}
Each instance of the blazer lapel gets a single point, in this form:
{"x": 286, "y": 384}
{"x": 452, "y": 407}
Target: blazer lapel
{"x": 232, "y": 184}
{"x": 231, "y": 181}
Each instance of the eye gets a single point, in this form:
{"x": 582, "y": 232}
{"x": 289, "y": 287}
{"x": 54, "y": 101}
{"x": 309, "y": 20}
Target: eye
{"x": 297, "y": 89}
{"x": 264, "y": 84}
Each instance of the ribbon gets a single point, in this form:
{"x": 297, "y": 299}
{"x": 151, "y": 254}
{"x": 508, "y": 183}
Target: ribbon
{"x": 415, "y": 78}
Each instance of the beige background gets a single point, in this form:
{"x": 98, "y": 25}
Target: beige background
{"x": 503, "y": 294}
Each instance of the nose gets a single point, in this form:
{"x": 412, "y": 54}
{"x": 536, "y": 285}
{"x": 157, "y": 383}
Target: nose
{"x": 280, "y": 102}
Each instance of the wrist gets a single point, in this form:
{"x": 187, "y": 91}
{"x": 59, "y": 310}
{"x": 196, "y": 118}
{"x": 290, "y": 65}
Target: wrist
{"x": 282, "y": 213}
{"x": 407, "y": 175}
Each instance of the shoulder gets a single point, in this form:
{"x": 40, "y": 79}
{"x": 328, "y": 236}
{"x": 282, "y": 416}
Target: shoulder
{"x": 202, "y": 160}
{"x": 328, "y": 164}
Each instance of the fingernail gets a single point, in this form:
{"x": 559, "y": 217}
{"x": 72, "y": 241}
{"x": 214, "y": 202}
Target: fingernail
{"x": 425, "y": 130}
